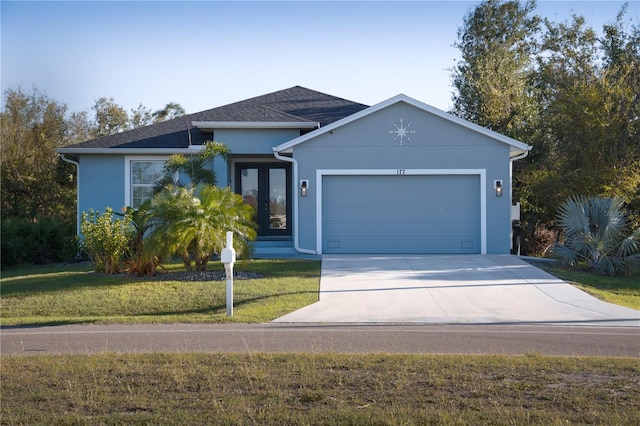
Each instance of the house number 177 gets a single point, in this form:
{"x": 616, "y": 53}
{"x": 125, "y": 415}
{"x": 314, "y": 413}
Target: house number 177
{"x": 400, "y": 171}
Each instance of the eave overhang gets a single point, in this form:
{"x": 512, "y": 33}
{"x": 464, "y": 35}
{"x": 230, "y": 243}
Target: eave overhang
{"x": 128, "y": 151}
{"x": 210, "y": 126}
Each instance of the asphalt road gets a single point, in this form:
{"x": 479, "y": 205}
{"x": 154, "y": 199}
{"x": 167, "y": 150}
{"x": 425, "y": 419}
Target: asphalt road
{"x": 317, "y": 338}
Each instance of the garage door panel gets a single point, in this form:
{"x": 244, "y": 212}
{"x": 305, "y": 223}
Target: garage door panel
{"x": 395, "y": 246}
{"x": 401, "y": 214}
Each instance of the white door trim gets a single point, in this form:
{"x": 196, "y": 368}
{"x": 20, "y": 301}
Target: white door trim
{"x": 482, "y": 173}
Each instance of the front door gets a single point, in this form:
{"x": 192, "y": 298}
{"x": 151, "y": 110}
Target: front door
{"x": 267, "y": 188}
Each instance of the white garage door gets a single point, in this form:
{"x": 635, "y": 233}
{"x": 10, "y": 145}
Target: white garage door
{"x": 401, "y": 214}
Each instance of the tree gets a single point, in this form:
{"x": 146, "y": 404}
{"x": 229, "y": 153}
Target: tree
{"x": 140, "y": 117}
{"x": 35, "y": 182}
{"x": 492, "y": 80}
{"x": 170, "y": 111}
{"x": 110, "y": 118}
{"x": 589, "y": 90}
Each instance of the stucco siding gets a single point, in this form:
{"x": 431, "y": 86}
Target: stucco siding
{"x": 101, "y": 180}
{"x": 437, "y": 144}
{"x": 254, "y": 141}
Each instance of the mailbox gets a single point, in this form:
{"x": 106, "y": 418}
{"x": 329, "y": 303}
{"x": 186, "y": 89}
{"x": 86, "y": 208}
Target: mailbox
{"x": 228, "y": 255}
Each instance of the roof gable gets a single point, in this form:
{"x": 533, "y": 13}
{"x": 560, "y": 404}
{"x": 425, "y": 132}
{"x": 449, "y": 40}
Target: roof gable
{"x": 516, "y": 147}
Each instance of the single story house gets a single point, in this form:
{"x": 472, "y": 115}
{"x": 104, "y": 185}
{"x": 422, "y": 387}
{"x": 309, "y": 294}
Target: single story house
{"x": 328, "y": 175}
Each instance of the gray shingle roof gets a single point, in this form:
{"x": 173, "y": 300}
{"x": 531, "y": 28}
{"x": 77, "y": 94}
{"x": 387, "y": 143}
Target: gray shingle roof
{"x": 296, "y": 104}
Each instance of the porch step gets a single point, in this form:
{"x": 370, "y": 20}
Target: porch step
{"x": 278, "y": 249}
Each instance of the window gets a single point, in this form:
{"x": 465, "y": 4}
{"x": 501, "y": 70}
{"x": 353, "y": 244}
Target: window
{"x": 144, "y": 175}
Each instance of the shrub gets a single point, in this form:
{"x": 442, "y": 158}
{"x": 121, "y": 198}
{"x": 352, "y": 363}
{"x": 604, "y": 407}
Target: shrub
{"x": 597, "y": 231}
{"x": 36, "y": 241}
{"x": 106, "y": 239}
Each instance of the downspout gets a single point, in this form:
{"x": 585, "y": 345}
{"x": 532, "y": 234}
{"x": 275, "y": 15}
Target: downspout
{"x": 511, "y": 160}
{"x": 77, "y": 164}
{"x": 296, "y": 243}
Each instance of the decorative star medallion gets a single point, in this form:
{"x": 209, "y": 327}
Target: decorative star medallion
{"x": 401, "y": 132}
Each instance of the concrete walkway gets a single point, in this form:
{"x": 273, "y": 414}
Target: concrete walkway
{"x": 451, "y": 289}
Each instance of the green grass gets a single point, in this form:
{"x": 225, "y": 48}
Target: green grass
{"x": 624, "y": 291}
{"x": 275, "y": 389}
{"x": 71, "y": 294}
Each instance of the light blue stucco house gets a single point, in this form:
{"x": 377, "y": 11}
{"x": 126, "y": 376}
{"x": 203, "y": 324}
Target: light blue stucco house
{"x": 327, "y": 175}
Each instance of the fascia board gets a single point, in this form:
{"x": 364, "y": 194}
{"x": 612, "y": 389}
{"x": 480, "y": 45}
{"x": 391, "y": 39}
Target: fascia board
{"x": 129, "y": 151}
{"x": 212, "y": 125}
{"x": 516, "y": 147}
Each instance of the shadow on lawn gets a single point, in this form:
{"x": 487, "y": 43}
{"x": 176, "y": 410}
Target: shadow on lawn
{"x": 51, "y": 279}
{"x": 222, "y": 307}
{"x": 58, "y": 281}
{"x": 67, "y": 280}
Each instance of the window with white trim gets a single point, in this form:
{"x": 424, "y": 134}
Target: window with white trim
{"x": 144, "y": 175}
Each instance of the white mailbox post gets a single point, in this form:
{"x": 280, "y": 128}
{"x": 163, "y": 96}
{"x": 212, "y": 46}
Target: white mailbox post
{"x": 228, "y": 257}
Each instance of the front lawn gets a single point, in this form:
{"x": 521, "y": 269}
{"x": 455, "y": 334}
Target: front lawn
{"x": 624, "y": 291}
{"x": 72, "y": 294}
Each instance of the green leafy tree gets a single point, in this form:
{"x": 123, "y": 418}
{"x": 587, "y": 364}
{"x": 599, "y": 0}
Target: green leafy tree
{"x": 35, "y": 182}
{"x": 493, "y": 79}
{"x": 110, "y": 118}
{"x": 170, "y": 111}
{"x": 590, "y": 139}
{"x": 140, "y": 116}
{"x": 597, "y": 232}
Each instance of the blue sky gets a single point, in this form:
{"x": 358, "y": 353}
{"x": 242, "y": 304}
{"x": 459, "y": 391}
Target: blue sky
{"x": 205, "y": 54}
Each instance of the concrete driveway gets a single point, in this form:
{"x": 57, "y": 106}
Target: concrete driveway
{"x": 451, "y": 289}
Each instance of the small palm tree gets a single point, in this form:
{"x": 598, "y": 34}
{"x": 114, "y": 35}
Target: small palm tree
{"x": 195, "y": 167}
{"x": 188, "y": 225}
{"x": 596, "y": 231}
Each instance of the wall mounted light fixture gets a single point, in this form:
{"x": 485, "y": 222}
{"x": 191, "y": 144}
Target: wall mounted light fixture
{"x": 304, "y": 186}
{"x": 497, "y": 185}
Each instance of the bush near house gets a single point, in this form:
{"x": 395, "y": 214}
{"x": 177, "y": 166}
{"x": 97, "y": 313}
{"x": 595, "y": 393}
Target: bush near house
{"x": 106, "y": 240}
{"x": 597, "y": 232}
{"x": 37, "y": 241}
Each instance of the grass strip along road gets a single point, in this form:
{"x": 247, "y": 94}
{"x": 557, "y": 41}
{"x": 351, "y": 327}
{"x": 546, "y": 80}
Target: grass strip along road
{"x": 276, "y": 389}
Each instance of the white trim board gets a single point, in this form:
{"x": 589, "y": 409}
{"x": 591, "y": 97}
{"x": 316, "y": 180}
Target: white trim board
{"x": 482, "y": 173}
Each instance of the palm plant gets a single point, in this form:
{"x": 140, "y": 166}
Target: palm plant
{"x": 597, "y": 232}
{"x": 195, "y": 167}
{"x": 188, "y": 225}
{"x": 140, "y": 262}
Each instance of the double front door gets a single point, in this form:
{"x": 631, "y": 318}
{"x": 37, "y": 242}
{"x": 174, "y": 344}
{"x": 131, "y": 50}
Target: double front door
{"x": 267, "y": 188}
